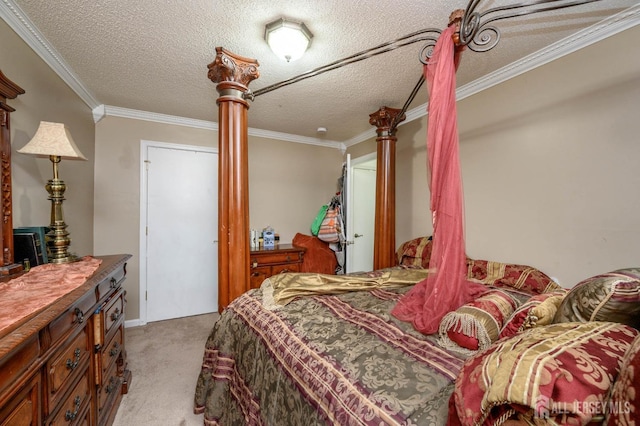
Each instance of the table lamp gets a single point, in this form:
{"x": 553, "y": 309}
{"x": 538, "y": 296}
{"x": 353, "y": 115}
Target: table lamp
{"x": 53, "y": 140}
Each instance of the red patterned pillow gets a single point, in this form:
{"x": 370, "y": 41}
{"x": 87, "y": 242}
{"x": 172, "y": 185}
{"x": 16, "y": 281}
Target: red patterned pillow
{"x": 560, "y": 372}
{"x": 624, "y": 405}
{"x": 476, "y": 324}
{"x": 523, "y": 318}
{"x": 416, "y": 252}
{"x": 522, "y": 277}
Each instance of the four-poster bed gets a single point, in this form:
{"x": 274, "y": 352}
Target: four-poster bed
{"x": 317, "y": 349}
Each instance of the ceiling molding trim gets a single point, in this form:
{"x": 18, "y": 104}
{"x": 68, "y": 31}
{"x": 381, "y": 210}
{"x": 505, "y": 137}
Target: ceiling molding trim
{"x": 584, "y": 38}
{"x": 296, "y": 138}
{"x": 369, "y": 134}
{"x": 606, "y": 28}
{"x": 22, "y": 25}
{"x": 112, "y": 111}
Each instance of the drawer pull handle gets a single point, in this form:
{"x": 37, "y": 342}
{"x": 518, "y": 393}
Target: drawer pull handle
{"x": 113, "y": 283}
{"x": 71, "y": 365}
{"x": 79, "y": 315}
{"x": 69, "y": 415}
{"x": 284, "y": 271}
{"x": 116, "y": 314}
{"x": 114, "y": 351}
{"x": 111, "y": 386}
{"x": 288, "y": 258}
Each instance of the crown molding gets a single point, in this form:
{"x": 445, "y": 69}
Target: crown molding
{"x": 583, "y": 38}
{"x": 102, "y": 111}
{"x": 20, "y": 23}
{"x": 606, "y": 28}
{"x": 112, "y": 111}
{"x": 296, "y": 138}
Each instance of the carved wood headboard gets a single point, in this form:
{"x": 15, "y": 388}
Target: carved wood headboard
{"x": 8, "y": 90}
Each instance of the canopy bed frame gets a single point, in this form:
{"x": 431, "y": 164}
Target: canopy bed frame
{"x": 232, "y": 75}
{"x": 347, "y": 349}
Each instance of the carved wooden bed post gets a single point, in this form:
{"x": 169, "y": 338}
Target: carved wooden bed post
{"x": 384, "y": 239}
{"x": 232, "y": 74}
{"x": 8, "y": 90}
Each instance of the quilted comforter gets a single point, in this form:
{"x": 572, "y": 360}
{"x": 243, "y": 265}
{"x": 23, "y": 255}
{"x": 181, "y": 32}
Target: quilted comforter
{"x": 324, "y": 359}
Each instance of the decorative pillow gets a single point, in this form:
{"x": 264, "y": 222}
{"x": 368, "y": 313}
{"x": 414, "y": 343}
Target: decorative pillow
{"x": 538, "y": 310}
{"x": 560, "y": 372}
{"x": 521, "y": 277}
{"x": 477, "y": 324}
{"x": 416, "y": 252}
{"x": 614, "y": 296}
{"x": 624, "y": 405}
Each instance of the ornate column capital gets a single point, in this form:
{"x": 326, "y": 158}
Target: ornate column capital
{"x": 229, "y": 67}
{"x": 385, "y": 119}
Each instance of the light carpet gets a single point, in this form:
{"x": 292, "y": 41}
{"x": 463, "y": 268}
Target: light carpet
{"x": 164, "y": 358}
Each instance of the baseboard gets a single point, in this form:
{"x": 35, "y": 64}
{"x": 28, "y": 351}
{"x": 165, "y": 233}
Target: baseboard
{"x": 134, "y": 323}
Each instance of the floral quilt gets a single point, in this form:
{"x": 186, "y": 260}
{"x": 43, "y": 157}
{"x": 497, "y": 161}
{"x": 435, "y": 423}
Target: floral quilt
{"x": 324, "y": 359}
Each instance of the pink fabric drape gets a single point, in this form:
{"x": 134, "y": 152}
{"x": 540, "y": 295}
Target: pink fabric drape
{"x": 446, "y": 288}
{"x": 28, "y": 294}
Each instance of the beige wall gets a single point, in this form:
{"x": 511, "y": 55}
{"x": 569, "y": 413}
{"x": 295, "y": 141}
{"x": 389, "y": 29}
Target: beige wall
{"x": 287, "y": 184}
{"x": 549, "y": 163}
{"x": 47, "y": 98}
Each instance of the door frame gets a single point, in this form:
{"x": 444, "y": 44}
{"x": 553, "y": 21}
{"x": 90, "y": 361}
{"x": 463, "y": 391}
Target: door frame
{"x": 144, "y": 145}
{"x": 351, "y": 212}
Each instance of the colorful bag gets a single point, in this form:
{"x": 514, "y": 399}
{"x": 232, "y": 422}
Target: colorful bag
{"x": 330, "y": 228}
{"x": 315, "y": 226}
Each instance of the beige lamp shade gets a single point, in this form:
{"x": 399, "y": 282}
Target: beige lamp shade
{"x": 53, "y": 139}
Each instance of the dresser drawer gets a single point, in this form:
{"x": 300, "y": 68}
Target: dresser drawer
{"x": 85, "y": 418}
{"x": 276, "y": 257}
{"x": 64, "y": 366}
{"x": 73, "y": 407}
{"x": 15, "y": 364}
{"x": 111, "y": 282}
{"x": 110, "y": 389}
{"x": 24, "y": 407}
{"x": 113, "y": 313}
{"x": 112, "y": 350}
{"x": 281, "y": 269}
{"x": 76, "y": 316}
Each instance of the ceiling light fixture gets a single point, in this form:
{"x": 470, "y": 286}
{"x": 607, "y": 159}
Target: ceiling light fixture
{"x": 288, "y": 39}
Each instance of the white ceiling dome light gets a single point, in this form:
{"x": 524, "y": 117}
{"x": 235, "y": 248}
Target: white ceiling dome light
{"x": 288, "y": 39}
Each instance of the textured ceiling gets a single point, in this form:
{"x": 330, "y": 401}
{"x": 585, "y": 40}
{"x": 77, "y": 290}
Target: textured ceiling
{"x": 152, "y": 55}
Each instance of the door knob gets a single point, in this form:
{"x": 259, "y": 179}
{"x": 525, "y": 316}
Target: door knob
{"x": 358, "y": 235}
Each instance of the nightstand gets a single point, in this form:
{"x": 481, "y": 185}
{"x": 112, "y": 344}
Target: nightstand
{"x": 266, "y": 262}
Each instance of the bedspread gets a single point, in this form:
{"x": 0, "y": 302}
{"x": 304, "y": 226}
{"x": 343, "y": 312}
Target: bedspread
{"x": 327, "y": 359}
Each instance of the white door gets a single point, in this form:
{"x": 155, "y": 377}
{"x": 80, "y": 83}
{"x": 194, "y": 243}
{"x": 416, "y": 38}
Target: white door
{"x": 362, "y": 205}
{"x": 181, "y": 231}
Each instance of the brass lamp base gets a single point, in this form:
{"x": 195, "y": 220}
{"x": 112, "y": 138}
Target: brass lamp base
{"x": 58, "y": 240}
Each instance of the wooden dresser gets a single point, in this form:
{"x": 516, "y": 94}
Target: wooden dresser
{"x": 266, "y": 262}
{"x": 66, "y": 365}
